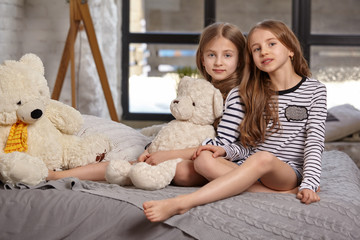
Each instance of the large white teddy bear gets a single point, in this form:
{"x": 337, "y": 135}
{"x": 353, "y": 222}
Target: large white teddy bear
{"x": 197, "y": 105}
{"x": 37, "y": 133}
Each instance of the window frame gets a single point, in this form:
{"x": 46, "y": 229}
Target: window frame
{"x": 301, "y": 25}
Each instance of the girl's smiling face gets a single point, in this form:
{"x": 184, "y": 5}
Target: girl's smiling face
{"x": 269, "y": 54}
{"x": 220, "y": 58}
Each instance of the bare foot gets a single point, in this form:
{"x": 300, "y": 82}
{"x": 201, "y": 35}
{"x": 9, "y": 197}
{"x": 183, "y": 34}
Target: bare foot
{"x": 158, "y": 211}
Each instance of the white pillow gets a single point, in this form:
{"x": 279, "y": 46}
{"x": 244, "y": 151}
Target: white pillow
{"x": 342, "y": 121}
{"x": 127, "y": 142}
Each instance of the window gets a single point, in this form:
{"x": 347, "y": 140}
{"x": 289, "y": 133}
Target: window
{"x": 153, "y": 75}
{"x": 338, "y": 68}
{"x": 159, "y": 41}
{"x": 246, "y": 13}
{"x": 334, "y": 48}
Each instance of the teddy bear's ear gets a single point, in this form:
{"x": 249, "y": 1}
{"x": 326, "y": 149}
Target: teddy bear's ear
{"x": 218, "y": 103}
{"x": 34, "y": 62}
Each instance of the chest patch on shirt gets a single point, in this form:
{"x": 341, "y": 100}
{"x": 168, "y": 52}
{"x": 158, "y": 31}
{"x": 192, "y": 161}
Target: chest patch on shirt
{"x": 296, "y": 113}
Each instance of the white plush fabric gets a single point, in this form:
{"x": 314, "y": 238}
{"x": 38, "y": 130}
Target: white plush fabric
{"x": 145, "y": 176}
{"x": 49, "y": 141}
{"x": 343, "y": 120}
{"x": 127, "y": 143}
{"x": 153, "y": 130}
{"x": 197, "y": 105}
{"x": 117, "y": 172}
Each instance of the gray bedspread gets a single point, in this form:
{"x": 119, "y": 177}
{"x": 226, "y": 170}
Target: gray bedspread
{"x": 251, "y": 215}
{"x": 52, "y": 211}
{"x": 265, "y": 215}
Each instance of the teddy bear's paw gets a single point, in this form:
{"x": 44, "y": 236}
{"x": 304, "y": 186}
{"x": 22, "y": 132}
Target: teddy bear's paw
{"x": 149, "y": 177}
{"x": 18, "y": 167}
{"x": 117, "y": 172}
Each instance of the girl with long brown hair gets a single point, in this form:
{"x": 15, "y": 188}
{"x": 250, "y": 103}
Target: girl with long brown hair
{"x": 282, "y": 132}
{"x": 220, "y": 59}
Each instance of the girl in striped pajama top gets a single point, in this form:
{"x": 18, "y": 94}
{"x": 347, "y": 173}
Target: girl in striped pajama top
{"x": 220, "y": 58}
{"x": 281, "y": 134}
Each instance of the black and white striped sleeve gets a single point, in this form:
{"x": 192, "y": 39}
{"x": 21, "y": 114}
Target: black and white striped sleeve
{"x": 228, "y": 128}
{"x": 314, "y": 143}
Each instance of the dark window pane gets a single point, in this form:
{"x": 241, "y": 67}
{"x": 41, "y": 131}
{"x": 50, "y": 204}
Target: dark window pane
{"x": 335, "y": 17}
{"x": 166, "y": 15}
{"x": 245, "y": 14}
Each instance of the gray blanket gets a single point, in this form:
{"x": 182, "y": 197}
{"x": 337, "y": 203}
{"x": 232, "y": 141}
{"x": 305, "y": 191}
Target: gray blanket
{"x": 264, "y": 215}
{"x": 257, "y": 215}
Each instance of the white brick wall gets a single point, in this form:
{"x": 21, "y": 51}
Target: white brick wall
{"x": 45, "y": 30}
{"x": 11, "y": 28}
{"x": 41, "y": 26}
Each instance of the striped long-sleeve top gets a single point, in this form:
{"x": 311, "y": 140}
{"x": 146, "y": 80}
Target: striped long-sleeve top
{"x": 300, "y": 140}
{"x": 227, "y": 131}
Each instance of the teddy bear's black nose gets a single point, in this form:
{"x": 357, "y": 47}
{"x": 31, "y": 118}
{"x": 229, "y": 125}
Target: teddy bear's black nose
{"x": 175, "y": 101}
{"x": 37, "y": 113}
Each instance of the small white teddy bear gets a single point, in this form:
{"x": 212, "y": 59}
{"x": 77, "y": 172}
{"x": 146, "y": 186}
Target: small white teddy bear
{"x": 196, "y": 107}
{"x": 37, "y": 133}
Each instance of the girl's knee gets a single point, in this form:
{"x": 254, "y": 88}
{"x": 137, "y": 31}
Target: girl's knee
{"x": 264, "y": 159}
{"x": 203, "y": 162}
{"x": 184, "y": 174}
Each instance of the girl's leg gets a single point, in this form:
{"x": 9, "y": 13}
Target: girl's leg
{"x": 209, "y": 167}
{"x": 186, "y": 176}
{"x": 259, "y": 187}
{"x": 161, "y": 156}
{"x": 205, "y": 168}
{"x": 274, "y": 174}
{"x": 201, "y": 170}
{"x": 93, "y": 171}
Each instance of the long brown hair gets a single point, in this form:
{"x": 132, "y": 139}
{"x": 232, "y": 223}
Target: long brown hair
{"x": 232, "y": 33}
{"x": 256, "y": 90}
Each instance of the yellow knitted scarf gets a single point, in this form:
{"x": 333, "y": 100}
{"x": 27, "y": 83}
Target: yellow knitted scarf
{"x": 17, "y": 140}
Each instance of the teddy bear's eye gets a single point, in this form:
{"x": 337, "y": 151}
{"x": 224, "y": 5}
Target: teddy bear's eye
{"x": 193, "y": 104}
{"x": 18, "y": 103}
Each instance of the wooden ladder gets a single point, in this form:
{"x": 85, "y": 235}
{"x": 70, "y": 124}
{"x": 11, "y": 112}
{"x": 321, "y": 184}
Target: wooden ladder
{"x": 79, "y": 11}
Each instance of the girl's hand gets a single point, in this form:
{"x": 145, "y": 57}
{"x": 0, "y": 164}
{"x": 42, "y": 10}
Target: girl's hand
{"x": 308, "y": 196}
{"x": 157, "y": 157}
{"x": 143, "y": 156}
{"x": 217, "y": 151}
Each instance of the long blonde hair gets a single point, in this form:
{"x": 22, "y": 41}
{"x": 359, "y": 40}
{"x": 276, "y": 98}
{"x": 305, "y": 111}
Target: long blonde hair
{"x": 232, "y": 33}
{"x": 256, "y": 90}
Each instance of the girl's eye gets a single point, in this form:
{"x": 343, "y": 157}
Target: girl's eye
{"x": 256, "y": 49}
{"x": 272, "y": 44}
{"x": 18, "y": 103}
{"x": 227, "y": 55}
{"x": 211, "y": 55}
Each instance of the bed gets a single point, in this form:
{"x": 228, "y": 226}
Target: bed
{"x": 343, "y": 131}
{"x": 74, "y": 209}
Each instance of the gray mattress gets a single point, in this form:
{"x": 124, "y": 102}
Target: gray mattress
{"x": 73, "y": 209}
